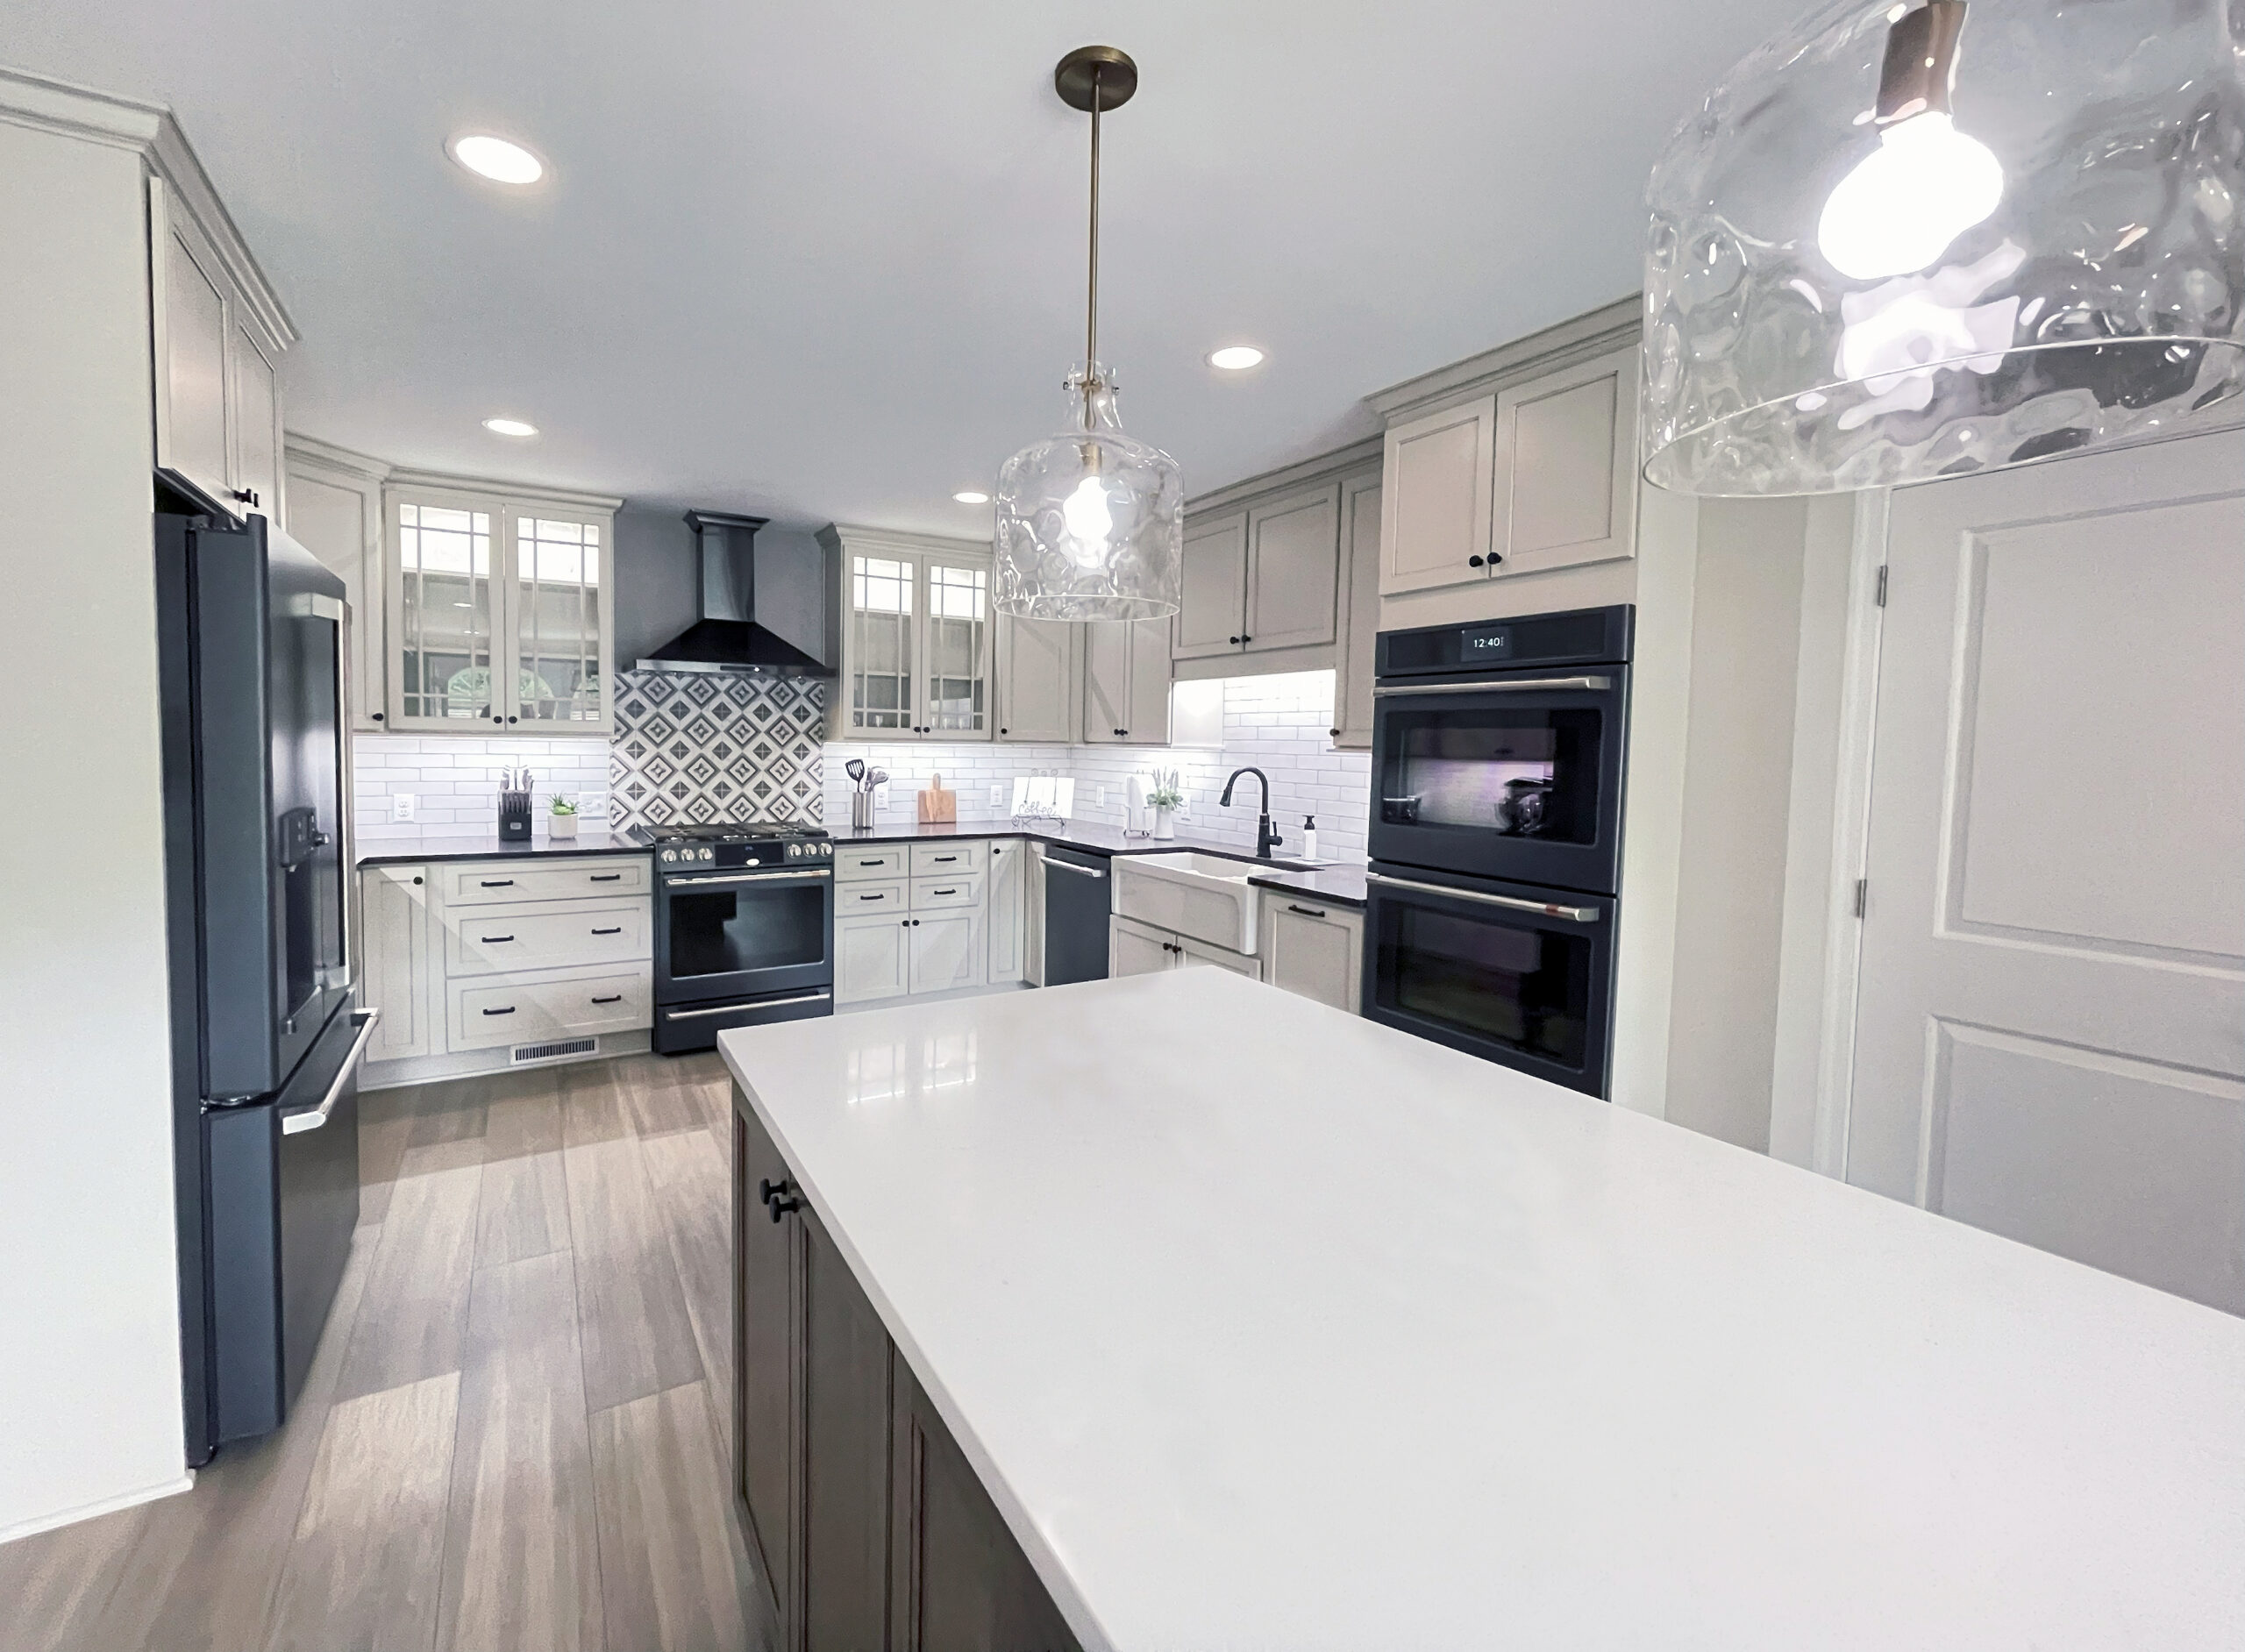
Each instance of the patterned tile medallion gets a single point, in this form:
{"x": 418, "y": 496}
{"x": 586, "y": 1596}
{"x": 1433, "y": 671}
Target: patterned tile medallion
{"x": 694, "y": 746}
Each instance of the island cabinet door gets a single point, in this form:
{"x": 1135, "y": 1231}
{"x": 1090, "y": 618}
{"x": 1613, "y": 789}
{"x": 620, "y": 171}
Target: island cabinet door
{"x": 768, "y": 1387}
{"x": 959, "y": 1581}
{"x": 846, "y": 1508}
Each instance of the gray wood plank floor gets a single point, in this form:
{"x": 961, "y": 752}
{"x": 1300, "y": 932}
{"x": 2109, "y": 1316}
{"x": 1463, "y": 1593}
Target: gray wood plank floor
{"x": 515, "y": 1432}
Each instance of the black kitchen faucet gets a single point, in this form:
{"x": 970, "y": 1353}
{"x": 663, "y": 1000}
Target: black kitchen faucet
{"x": 1267, "y": 835}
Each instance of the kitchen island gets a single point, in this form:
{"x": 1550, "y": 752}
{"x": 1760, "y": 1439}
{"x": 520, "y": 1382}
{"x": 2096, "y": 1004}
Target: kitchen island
{"x": 1249, "y": 1323}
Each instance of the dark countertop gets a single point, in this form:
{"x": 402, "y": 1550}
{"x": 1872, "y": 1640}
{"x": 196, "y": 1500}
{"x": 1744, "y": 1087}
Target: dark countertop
{"x": 487, "y": 846}
{"x": 1344, "y": 886}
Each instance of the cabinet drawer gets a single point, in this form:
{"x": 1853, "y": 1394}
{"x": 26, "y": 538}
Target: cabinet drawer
{"x": 929, "y": 860}
{"x": 483, "y": 1014}
{"x": 473, "y": 882}
{"x": 857, "y": 900}
{"x": 933, "y": 894}
{"x": 888, "y": 860}
{"x": 551, "y": 934}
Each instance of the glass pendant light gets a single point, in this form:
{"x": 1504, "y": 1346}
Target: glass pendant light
{"x": 1090, "y": 523}
{"x": 1893, "y": 247}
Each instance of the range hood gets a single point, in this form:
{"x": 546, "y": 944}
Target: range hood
{"x": 727, "y": 636}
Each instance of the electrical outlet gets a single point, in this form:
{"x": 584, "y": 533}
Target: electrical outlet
{"x": 880, "y": 795}
{"x": 401, "y": 806}
{"x": 1099, "y": 796}
{"x": 998, "y": 795}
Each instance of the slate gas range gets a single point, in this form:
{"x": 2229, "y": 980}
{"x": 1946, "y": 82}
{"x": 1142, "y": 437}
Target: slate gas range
{"x": 743, "y": 928}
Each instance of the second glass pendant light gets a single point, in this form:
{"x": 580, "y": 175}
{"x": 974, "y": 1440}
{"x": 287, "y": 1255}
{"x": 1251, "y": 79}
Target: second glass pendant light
{"x": 1090, "y": 523}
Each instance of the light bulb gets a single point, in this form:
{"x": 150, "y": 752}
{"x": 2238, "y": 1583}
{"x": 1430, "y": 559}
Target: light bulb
{"x": 1090, "y": 520}
{"x": 1897, "y": 210}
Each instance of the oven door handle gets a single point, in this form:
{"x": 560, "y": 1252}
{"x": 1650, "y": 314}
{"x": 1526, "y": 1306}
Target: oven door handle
{"x": 1577, "y": 915}
{"x": 735, "y": 1009}
{"x": 748, "y": 877}
{"x": 1518, "y": 685}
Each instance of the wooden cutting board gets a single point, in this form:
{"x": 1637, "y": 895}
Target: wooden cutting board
{"x": 937, "y": 806}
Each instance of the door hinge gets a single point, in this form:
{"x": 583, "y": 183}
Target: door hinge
{"x": 1881, "y": 598}
{"x": 1862, "y": 894}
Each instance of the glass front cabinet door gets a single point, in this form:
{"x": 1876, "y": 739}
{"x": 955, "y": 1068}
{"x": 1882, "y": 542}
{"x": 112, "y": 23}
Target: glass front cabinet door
{"x": 501, "y": 614}
{"x": 917, "y": 640}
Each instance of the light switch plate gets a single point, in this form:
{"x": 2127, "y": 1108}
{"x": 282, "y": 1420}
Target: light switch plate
{"x": 997, "y": 795}
{"x": 1099, "y": 796}
{"x": 401, "y": 806}
{"x": 880, "y": 795}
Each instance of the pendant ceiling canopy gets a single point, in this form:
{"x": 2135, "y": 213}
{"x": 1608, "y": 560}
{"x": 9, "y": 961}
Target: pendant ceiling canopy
{"x": 1906, "y": 241}
{"x": 1090, "y": 523}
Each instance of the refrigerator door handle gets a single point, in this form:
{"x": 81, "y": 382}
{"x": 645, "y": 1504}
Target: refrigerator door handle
{"x": 312, "y": 1118}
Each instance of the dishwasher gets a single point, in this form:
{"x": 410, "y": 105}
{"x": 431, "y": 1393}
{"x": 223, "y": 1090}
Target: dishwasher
{"x": 1076, "y": 905}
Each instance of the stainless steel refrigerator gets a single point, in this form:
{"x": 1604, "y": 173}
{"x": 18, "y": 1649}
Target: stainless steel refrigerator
{"x": 266, "y": 1037}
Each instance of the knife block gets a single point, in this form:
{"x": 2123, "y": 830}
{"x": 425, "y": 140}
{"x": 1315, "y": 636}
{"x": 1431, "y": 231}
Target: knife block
{"x": 513, "y": 818}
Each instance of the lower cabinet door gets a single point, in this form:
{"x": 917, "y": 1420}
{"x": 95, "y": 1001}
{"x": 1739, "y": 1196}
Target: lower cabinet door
{"x": 1316, "y": 951}
{"x": 1190, "y": 951}
{"x": 946, "y": 950}
{"x": 960, "y": 1582}
{"x": 1135, "y": 949}
{"x": 394, "y": 959}
{"x": 485, "y": 1011}
{"x": 872, "y": 957}
{"x": 1008, "y": 881}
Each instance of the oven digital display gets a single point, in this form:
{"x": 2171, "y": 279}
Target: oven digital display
{"x": 1484, "y": 642}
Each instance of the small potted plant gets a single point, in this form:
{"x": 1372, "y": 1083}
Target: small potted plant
{"x": 563, "y": 820}
{"x": 1167, "y": 797}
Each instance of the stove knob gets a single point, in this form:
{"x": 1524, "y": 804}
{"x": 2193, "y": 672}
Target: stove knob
{"x": 669, "y": 855}
{"x": 708, "y": 854}
{"x": 794, "y": 850}
{"x": 826, "y": 849}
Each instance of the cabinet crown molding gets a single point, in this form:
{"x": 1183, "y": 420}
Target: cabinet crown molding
{"x": 514, "y": 493}
{"x": 1356, "y": 455}
{"x": 1594, "y": 333}
{"x": 309, "y": 453}
{"x": 150, "y": 129}
{"x": 847, "y": 537}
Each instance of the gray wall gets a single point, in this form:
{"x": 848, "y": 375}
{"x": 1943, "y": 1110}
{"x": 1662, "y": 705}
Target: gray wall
{"x": 657, "y": 582}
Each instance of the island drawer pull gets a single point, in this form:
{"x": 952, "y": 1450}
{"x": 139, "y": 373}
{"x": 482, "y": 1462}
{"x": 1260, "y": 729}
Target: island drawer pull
{"x": 618, "y": 929}
{"x": 1578, "y": 914}
{"x": 613, "y": 998}
{"x": 1307, "y": 912}
{"x": 494, "y": 940}
{"x": 508, "y": 1011}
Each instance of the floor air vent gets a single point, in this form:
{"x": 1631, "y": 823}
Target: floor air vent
{"x": 544, "y": 1052}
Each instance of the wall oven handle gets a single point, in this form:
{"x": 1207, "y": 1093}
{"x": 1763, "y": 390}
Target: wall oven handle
{"x": 750, "y": 877}
{"x": 312, "y": 1118}
{"x": 735, "y": 1009}
{"x": 1070, "y": 865}
{"x": 1518, "y": 685}
{"x": 1578, "y": 914}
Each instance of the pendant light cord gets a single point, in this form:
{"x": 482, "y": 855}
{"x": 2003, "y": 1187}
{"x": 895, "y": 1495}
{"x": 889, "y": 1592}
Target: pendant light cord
{"x": 1091, "y": 305}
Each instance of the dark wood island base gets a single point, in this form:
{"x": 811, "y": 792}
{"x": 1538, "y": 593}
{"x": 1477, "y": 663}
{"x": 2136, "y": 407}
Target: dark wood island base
{"x": 873, "y": 1529}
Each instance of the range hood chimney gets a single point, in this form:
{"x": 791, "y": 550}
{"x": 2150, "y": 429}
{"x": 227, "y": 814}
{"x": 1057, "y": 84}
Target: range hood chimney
{"x": 727, "y": 636}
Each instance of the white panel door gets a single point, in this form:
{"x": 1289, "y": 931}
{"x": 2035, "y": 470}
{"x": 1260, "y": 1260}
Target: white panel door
{"x": 192, "y": 440}
{"x": 947, "y": 949}
{"x": 1435, "y": 525}
{"x": 1135, "y": 949}
{"x": 1107, "y": 683}
{"x": 1147, "y": 721}
{"x": 1009, "y": 881}
{"x": 871, "y": 958}
{"x": 2051, "y": 1036}
{"x": 1312, "y": 950}
{"x": 1191, "y": 953}
{"x": 1293, "y": 570}
{"x": 1359, "y": 615}
{"x": 257, "y": 417}
{"x": 1037, "y": 680}
{"x": 394, "y": 960}
{"x": 339, "y": 520}
{"x": 1213, "y": 588}
{"x": 1566, "y": 467}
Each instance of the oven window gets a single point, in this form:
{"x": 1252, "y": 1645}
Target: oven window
{"x": 1527, "y": 989}
{"x": 1516, "y": 772}
{"x": 723, "y": 931}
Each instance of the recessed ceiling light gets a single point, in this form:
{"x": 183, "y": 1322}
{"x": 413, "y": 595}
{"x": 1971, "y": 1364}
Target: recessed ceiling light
{"x": 970, "y": 497}
{"x": 509, "y": 427}
{"x": 496, "y": 159}
{"x": 1235, "y": 357}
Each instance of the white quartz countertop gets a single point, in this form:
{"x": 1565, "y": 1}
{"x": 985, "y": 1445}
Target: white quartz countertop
{"x": 1268, "y": 1328}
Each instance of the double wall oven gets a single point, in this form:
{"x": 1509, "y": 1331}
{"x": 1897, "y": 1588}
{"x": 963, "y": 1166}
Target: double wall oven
{"x": 1495, "y": 837}
{"x": 743, "y": 930}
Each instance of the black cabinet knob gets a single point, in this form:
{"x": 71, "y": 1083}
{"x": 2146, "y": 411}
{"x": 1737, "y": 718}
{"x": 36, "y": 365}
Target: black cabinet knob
{"x": 1005, "y": 731}
{"x": 778, "y": 1197}
{"x": 1246, "y": 639}
{"x": 498, "y": 719}
{"x": 416, "y": 880}
{"x": 1473, "y": 562}
{"x": 1494, "y": 559}
{"x": 378, "y": 716}
{"x": 511, "y": 719}
{"x": 780, "y": 1207}
{"x": 1234, "y": 640}
{"x": 1333, "y": 733}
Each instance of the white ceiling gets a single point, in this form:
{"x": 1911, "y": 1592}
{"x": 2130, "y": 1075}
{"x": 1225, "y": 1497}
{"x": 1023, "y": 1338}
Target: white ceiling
{"x": 825, "y": 261}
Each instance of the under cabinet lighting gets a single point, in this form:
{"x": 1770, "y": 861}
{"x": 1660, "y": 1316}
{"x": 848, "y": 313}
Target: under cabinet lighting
{"x": 496, "y": 159}
{"x": 1235, "y": 357}
{"x": 509, "y": 427}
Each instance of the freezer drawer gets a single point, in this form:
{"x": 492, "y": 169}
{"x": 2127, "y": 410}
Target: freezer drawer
{"x": 475, "y": 882}
{"x": 547, "y": 935}
{"x": 486, "y": 1014}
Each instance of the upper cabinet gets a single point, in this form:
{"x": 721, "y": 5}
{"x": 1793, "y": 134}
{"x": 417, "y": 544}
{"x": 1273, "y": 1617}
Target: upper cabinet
{"x": 1214, "y": 606}
{"x": 1263, "y": 577}
{"x": 918, "y": 639}
{"x": 335, "y": 512}
{"x": 1527, "y": 463}
{"x": 499, "y": 609}
{"x": 1360, "y": 519}
{"x": 217, "y": 336}
{"x": 1040, "y": 673}
{"x": 1126, "y": 683}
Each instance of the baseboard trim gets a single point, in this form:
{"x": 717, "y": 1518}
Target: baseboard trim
{"x": 183, "y": 1481}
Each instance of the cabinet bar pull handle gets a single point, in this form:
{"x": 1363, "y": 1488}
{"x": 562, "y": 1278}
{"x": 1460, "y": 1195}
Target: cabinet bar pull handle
{"x": 493, "y": 940}
{"x": 945, "y": 861}
{"x": 498, "y": 883}
{"x": 508, "y": 1011}
{"x": 1307, "y": 912}
{"x": 606, "y": 876}
{"x": 878, "y": 897}
{"x": 618, "y": 929}
{"x": 946, "y": 892}
{"x": 613, "y": 998}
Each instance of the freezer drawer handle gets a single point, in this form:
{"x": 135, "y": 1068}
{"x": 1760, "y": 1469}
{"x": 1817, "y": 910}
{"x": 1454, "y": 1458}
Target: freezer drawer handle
{"x": 1520, "y": 685}
{"x": 498, "y": 883}
{"x": 1070, "y": 865}
{"x": 312, "y": 1118}
{"x": 735, "y": 1009}
{"x": 618, "y": 929}
{"x": 613, "y": 998}
{"x": 1578, "y": 915}
{"x": 508, "y": 1011}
